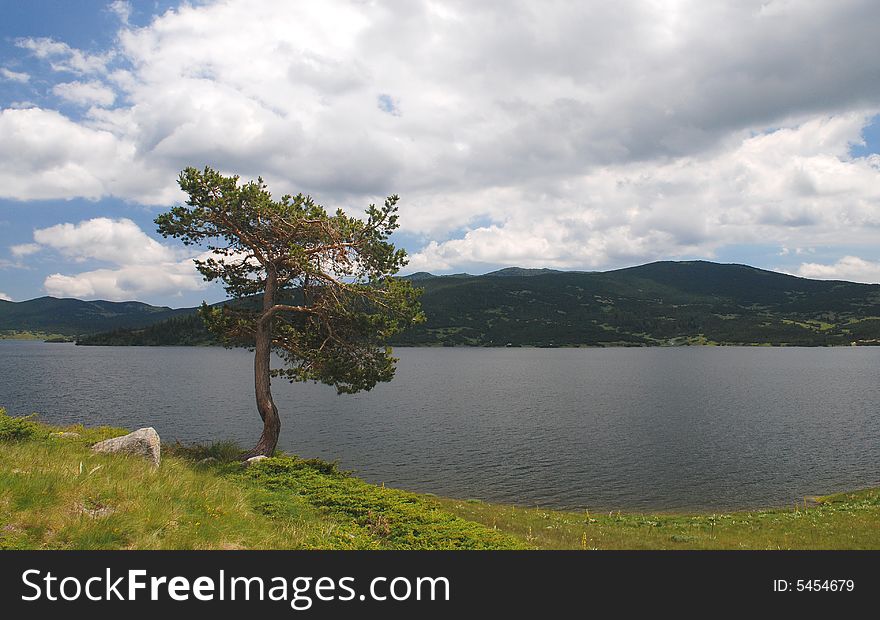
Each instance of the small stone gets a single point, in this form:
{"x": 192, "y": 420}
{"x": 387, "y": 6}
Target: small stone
{"x": 143, "y": 442}
{"x": 255, "y": 459}
{"x": 96, "y": 511}
{"x": 65, "y": 434}
{"x": 207, "y": 461}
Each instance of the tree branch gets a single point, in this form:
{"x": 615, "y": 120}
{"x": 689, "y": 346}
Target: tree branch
{"x": 268, "y": 314}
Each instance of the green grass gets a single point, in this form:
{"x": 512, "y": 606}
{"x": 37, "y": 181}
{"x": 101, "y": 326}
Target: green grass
{"x": 16, "y": 334}
{"x": 56, "y": 494}
{"x": 821, "y": 326}
{"x": 840, "y": 521}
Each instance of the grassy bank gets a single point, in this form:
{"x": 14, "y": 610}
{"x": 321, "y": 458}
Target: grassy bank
{"x": 840, "y": 521}
{"x": 12, "y": 334}
{"x": 56, "y": 494}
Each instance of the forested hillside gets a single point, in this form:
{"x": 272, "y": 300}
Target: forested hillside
{"x": 664, "y": 303}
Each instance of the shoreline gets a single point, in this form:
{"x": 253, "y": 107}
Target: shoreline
{"x": 56, "y": 493}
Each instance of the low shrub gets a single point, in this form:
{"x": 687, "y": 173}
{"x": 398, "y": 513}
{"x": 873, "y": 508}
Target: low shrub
{"x": 221, "y": 451}
{"x": 17, "y": 429}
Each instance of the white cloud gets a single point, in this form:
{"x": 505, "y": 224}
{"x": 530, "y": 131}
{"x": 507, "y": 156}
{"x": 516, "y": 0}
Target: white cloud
{"x": 24, "y": 249}
{"x": 63, "y": 57}
{"x": 5, "y": 297}
{"x": 122, "y": 9}
{"x": 582, "y": 136}
{"x": 85, "y": 93}
{"x": 850, "y": 268}
{"x": 793, "y": 186}
{"x": 139, "y": 265}
{"x": 120, "y": 241}
{"x": 126, "y": 282}
{"x": 45, "y": 155}
{"x": 14, "y": 76}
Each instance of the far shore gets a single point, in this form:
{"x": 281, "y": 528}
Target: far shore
{"x": 62, "y": 339}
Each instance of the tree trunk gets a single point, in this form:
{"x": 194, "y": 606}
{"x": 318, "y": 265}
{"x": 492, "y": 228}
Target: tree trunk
{"x": 262, "y": 380}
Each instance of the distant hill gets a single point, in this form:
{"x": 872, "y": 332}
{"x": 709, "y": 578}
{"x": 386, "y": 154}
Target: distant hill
{"x": 663, "y": 303}
{"x": 73, "y": 317}
{"x": 184, "y": 330}
{"x": 519, "y": 271}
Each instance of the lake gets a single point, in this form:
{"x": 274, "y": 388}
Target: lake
{"x": 691, "y": 428}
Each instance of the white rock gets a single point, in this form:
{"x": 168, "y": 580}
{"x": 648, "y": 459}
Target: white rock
{"x": 143, "y": 442}
{"x": 256, "y": 459}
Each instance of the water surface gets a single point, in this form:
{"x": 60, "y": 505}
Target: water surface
{"x": 700, "y": 428}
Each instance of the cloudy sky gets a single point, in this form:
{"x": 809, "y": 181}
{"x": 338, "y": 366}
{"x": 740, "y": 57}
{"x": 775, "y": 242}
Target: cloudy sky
{"x": 574, "y": 135}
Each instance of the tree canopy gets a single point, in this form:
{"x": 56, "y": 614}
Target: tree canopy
{"x": 316, "y": 288}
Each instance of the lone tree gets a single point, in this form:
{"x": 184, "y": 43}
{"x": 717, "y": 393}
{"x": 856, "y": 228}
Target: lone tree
{"x": 317, "y": 289}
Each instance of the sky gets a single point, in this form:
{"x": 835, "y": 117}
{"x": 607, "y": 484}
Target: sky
{"x": 570, "y": 135}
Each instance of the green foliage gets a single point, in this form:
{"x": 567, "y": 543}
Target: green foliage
{"x": 393, "y": 519}
{"x": 219, "y": 451}
{"x": 17, "y": 429}
{"x": 328, "y": 299}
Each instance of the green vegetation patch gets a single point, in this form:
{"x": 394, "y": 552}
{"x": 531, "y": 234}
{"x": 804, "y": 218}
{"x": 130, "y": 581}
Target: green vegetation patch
{"x": 16, "y": 334}
{"x": 16, "y": 429}
{"x": 841, "y": 521}
{"x": 391, "y": 518}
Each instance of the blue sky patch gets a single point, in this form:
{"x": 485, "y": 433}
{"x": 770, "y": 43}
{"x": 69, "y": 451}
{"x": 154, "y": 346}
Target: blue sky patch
{"x": 388, "y": 104}
{"x": 871, "y": 135}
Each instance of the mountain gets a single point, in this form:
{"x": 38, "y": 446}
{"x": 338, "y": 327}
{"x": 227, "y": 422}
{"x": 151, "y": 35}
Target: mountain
{"x": 519, "y": 271}
{"x": 693, "y": 302}
{"x": 73, "y": 317}
{"x": 663, "y": 303}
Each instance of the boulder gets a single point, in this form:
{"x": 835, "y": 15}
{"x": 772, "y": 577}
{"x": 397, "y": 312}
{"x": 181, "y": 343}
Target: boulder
{"x": 143, "y": 442}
